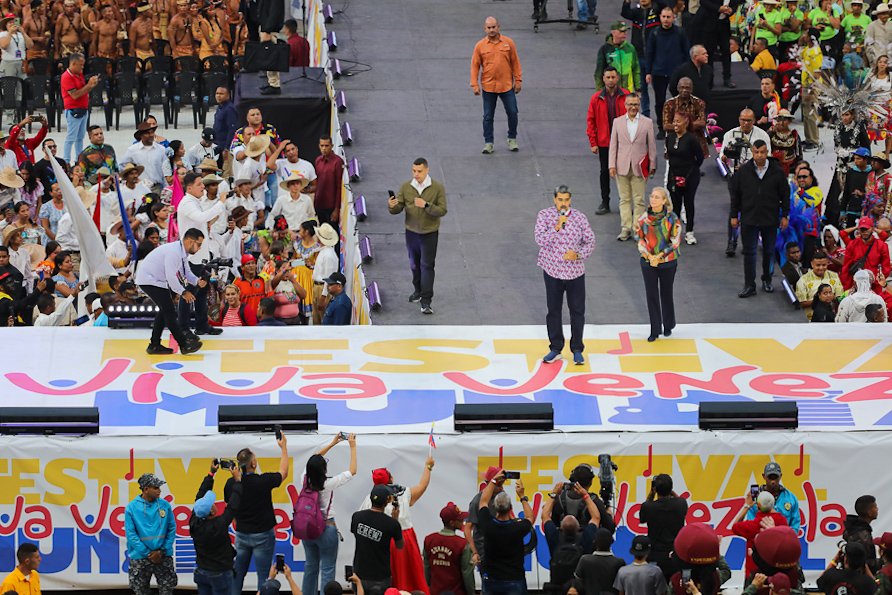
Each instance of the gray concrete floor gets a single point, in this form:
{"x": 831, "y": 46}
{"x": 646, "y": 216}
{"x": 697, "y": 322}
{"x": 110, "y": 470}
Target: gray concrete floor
{"x": 416, "y": 102}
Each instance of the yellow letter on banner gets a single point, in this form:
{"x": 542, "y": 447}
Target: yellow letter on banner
{"x": 14, "y": 483}
{"x": 312, "y": 355}
{"x": 810, "y": 355}
{"x": 73, "y": 488}
{"x": 704, "y": 481}
{"x": 427, "y": 360}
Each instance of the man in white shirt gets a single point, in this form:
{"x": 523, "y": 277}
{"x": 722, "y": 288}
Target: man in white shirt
{"x": 291, "y": 163}
{"x": 191, "y": 214}
{"x": 253, "y": 166}
{"x": 151, "y": 155}
{"x": 211, "y": 197}
{"x": 244, "y": 198}
{"x": 119, "y": 252}
{"x": 7, "y": 158}
{"x": 296, "y": 206}
{"x": 209, "y": 167}
{"x": 132, "y": 188}
{"x": 204, "y": 149}
{"x": 49, "y": 314}
{"x": 327, "y": 262}
{"x": 167, "y": 269}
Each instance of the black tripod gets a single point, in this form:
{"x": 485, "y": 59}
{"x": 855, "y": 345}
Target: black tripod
{"x": 541, "y": 16}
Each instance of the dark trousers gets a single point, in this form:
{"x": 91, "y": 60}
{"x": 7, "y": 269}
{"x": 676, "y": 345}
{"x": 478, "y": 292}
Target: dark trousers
{"x": 831, "y": 200}
{"x": 660, "y": 84}
{"x": 509, "y": 102}
{"x": 716, "y": 41}
{"x": 422, "y": 250}
{"x": 685, "y": 196}
{"x": 658, "y": 283}
{"x": 750, "y": 235}
{"x": 642, "y": 90}
{"x": 200, "y": 304}
{"x": 554, "y": 299}
{"x": 166, "y": 316}
{"x": 604, "y": 158}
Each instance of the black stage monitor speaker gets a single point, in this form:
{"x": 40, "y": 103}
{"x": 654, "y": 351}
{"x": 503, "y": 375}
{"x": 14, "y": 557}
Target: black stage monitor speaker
{"x": 263, "y": 418}
{"x": 507, "y": 417}
{"x": 49, "y": 420}
{"x": 748, "y": 415}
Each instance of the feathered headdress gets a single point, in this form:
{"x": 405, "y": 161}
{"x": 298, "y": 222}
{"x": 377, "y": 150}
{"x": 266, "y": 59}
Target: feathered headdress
{"x": 864, "y": 101}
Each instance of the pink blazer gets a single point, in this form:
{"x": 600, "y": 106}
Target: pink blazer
{"x": 626, "y": 153}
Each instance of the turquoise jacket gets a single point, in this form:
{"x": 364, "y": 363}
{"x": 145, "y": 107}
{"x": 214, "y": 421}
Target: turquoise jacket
{"x": 149, "y": 526}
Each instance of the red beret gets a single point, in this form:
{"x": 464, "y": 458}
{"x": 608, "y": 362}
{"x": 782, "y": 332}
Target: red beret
{"x": 780, "y": 583}
{"x": 381, "y": 476}
{"x": 779, "y": 547}
{"x": 697, "y": 543}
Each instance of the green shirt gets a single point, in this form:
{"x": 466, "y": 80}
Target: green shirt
{"x": 788, "y": 36}
{"x": 773, "y": 18}
{"x": 819, "y": 17}
{"x": 855, "y": 27}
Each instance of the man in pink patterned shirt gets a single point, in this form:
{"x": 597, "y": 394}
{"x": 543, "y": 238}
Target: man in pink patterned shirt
{"x": 565, "y": 240}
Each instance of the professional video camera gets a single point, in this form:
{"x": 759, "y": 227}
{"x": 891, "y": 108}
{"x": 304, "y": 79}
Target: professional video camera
{"x": 735, "y": 149}
{"x": 210, "y": 267}
{"x": 607, "y": 478}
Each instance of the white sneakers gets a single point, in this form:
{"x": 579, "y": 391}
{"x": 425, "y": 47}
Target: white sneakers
{"x": 689, "y": 238}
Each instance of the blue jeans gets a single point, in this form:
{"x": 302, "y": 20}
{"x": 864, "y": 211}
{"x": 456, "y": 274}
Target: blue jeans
{"x": 321, "y": 553}
{"x": 74, "y": 136}
{"x": 586, "y": 9}
{"x": 494, "y": 587}
{"x": 509, "y": 101}
{"x": 211, "y": 582}
{"x": 259, "y": 545}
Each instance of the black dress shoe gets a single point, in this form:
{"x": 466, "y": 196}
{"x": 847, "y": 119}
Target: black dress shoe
{"x": 652, "y": 338}
{"x": 730, "y": 84}
{"x": 667, "y": 332}
{"x": 158, "y": 349}
{"x": 603, "y": 209}
{"x": 747, "y": 292}
{"x": 190, "y": 347}
{"x": 731, "y": 250}
{"x": 271, "y": 91}
{"x": 211, "y": 330}
{"x": 766, "y": 287}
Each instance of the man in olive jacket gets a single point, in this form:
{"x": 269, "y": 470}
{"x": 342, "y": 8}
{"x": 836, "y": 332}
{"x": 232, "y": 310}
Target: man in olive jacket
{"x": 424, "y": 201}
{"x": 760, "y": 193}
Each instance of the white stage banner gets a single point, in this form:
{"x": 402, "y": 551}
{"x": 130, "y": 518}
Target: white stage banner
{"x": 68, "y": 495}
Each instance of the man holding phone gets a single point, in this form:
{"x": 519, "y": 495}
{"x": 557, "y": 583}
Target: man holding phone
{"x": 210, "y": 534}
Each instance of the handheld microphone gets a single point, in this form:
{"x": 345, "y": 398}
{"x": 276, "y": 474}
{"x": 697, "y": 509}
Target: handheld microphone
{"x": 564, "y": 213}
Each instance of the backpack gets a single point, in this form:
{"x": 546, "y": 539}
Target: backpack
{"x": 308, "y": 522}
{"x": 576, "y": 507}
{"x": 564, "y": 560}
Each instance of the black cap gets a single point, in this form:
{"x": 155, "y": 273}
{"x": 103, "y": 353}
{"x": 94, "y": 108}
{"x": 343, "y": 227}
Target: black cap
{"x": 336, "y": 278}
{"x": 640, "y": 545}
{"x": 207, "y": 134}
{"x": 380, "y": 493}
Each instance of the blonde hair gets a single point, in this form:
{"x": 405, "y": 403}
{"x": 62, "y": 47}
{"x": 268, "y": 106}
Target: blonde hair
{"x": 238, "y": 291}
{"x": 667, "y": 200}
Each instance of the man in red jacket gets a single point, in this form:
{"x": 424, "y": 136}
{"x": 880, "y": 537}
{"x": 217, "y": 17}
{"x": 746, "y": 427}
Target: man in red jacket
{"x": 766, "y": 518}
{"x": 605, "y": 106}
{"x": 871, "y": 253}
{"x": 24, "y": 147}
{"x": 447, "y": 557}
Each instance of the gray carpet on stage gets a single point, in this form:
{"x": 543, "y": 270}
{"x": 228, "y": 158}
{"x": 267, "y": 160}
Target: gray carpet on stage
{"x": 416, "y": 102}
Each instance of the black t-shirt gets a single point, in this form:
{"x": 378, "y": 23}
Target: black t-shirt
{"x": 256, "y": 514}
{"x": 373, "y": 531}
{"x": 503, "y": 542}
{"x": 664, "y": 518}
{"x": 846, "y": 582}
{"x": 598, "y": 572}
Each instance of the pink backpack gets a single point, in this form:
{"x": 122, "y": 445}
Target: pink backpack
{"x": 308, "y": 522}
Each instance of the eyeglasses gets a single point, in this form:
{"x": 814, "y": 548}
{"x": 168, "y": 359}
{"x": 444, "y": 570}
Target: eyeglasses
{"x": 51, "y": 146}
{"x": 802, "y": 177}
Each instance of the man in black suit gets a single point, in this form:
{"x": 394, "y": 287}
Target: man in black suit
{"x": 712, "y": 29}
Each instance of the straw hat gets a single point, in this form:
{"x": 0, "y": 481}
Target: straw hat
{"x": 327, "y": 235}
{"x": 295, "y": 176}
{"x": 88, "y": 198}
{"x": 881, "y": 8}
{"x": 102, "y": 171}
{"x": 257, "y": 145}
{"x": 208, "y": 164}
{"x": 784, "y": 113}
{"x": 129, "y": 167}
{"x": 211, "y": 179}
{"x": 114, "y": 227}
{"x": 10, "y": 179}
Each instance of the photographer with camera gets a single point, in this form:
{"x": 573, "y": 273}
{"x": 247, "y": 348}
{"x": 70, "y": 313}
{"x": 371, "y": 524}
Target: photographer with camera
{"x": 192, "y": 214}
{"x": 847, "y": 573}
{"x": 664, "y": 514}
{"x": 571, "y": 501}
{"x": 567, "y": 544}
{"x": 210, "y": 532}
{"x": 255, "y": 535}
{"x": 504, "y": 536}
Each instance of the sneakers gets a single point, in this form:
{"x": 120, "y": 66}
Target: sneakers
{"x": 690, "y": 239}
{"x": 551, "y": 357}
{"x": 190, "y": 347}
{"x": 211, "y": 330}
{"x": 271, "y": 91}
{"x": 577, "y": 358}
{"x": 624, "y": 235}
{"x": 487, "y": 149}
{"x": 426, "y": 309}
{"x": 415, "y": 297}
{"x": 158, "y": 349}
{"x": 512, "y": 145}
{"x": 603, "y": 209}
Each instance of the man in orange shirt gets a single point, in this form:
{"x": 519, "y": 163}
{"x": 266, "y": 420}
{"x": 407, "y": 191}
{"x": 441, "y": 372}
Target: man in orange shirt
{"x": 24, "y": 579}
{"x": 496, "y": 56}
{"x": 252, "y": 287}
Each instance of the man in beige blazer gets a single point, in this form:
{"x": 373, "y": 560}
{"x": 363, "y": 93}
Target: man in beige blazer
{"x": 632, "y": 146}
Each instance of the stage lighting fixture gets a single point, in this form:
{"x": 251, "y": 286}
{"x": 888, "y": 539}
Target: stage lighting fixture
{"x": 263, "y": 418}
{"x": 365, "y": 249}
{"x": 328, "y": 13}
{"x": 346, "y": 133}
{"x": 334, "y": 65}
{"x": 332, "y": 40}
{"x": 374, "y": 296}
{"x": 127, "y": 316}
{"x": 359, "y": 208}
{"x": 503, "y": 417}
{"x": 341, "y": 101}
{"x": 748, "y": 415}
{"x": 355, "y": 170}
{"x": 48, "y": 421}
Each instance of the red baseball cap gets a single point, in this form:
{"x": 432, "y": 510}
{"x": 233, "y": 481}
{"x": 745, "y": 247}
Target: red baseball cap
{"x": 451, "y": 512}
{"x": 381, "y": 476}
{"x": 697, "y": 543}
{"x": 780, "y": 583}
{"x": 246, "y": 258}
{"x": 778, "y": 547}
{"x": 884, "y": 540}
{"x": 490, "y": 473}
{"x": 865, "y": 223}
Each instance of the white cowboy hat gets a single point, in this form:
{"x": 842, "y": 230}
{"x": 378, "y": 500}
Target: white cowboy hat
{"x": 295, "y": 176}
{"x": 10, "y": 179}
{"x": 880, "y": 9}
{"x": 258, "y": 145}
{"x": 211, "y": 179}
{"x": 327, "y": 235}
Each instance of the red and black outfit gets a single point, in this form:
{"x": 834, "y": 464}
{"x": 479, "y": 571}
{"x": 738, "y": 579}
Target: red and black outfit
{"x": 24, "y": 150}
{"x": 247, "y": 316}
{"x": 603, "y": 109}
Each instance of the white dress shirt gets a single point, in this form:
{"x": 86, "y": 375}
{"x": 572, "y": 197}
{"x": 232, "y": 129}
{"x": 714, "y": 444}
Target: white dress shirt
{"x": 326, "y": 263}
{"x": 59, "y": 315}
{"x": 295, "y": 211}
{"x": 632, "y": 126}
{"x": 117, "y": 251}
{"x": 285, "y": 168}
{"x": 251, "y": 169}
{"x": 220, "y": 224}
{"x": 166, "y": 266}
{"x": 191, "y": 214}
{"x": 21, "y": 260}
{"x": 65, "y": 234}
{"x": 252, "y": 205}
{"x": 153, "y": 158}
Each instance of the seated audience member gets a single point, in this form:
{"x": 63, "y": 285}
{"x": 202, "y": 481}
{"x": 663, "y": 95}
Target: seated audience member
{"x": 818, "y": 275}
{"x": 824, "y": 304}
{"x": 267, "y": 313}
{"x": 853, "y": 307}
{"x": 875, "y": 313}
{"x": 792, "y": 269}
{"x": 235, "y": 312}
